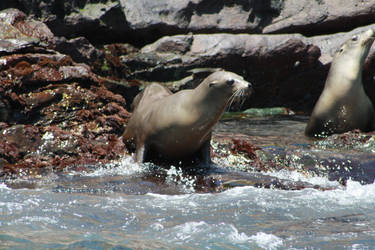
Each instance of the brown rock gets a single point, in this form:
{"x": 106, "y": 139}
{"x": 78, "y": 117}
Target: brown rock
{"x": 51, "y": 107}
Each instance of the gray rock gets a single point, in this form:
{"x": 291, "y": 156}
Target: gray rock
{"x": 277, "y": 65}
{"x": 328, "y": 44}
{"x": 144, "y": 21}
{"x": 241, "y": 52}
{"x": 80, "y": 49}
{"x": 321, "y": 16}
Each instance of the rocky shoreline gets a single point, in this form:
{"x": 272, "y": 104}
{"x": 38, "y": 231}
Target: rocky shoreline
{"x": 69, "y": 70}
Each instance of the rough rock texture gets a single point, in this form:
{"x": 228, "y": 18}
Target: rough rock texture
{"x": 144, "y": 20}
{"x": 286, "y": 70}
{"x": 321, "y": 16}
{"x": 295, "y": 83}
{"x": 268, "y": 61}
{"x": 54, "y": 112}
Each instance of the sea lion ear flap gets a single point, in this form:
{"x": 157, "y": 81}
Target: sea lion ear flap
{"x": 340, "y": 50}
{"x": 213, "y": 83}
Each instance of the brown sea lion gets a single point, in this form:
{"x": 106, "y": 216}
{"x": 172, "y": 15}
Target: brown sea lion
{"x": 178, "y": 126}
{"x": 343, "y": 104}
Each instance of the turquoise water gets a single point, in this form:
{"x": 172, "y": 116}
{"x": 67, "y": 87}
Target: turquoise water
{"x": 116, "y": 207}
{"x": 243, "y": 217}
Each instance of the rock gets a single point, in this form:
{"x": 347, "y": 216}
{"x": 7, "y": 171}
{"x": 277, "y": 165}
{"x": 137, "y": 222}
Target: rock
{"x": 54, "y": 113}
{"x": 80, "y": 49}
{"x": 268, "y": 61}
{"x": 144, "y": 21}
{"x": 321, "y": 17}
{"x": 17, "y": 26}
{"x": 256, "y": 112}
{"x": 323, "y": 158}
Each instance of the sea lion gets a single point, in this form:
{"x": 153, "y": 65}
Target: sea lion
{"x": 178, "y": 126}
{"x": 343, "y": 104}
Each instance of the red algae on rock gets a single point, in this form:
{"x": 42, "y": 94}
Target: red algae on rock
{"x": 54, "y": 113}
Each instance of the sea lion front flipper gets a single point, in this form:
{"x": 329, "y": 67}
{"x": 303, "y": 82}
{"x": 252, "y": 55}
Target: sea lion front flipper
{"x": 140, "y": 154}
{"x": 205, "y": 154}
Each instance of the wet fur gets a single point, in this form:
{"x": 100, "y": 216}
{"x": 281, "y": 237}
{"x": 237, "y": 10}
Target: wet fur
{"x": 178, "y": 126}
{"x": 343, "y": 104}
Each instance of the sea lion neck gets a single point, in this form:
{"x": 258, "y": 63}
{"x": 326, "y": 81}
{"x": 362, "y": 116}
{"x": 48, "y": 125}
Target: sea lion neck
{"x": 353, "y": 76}
{"x": 210, "y": 98}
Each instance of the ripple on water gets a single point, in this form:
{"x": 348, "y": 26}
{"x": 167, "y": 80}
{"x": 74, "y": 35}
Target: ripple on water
{"x": 222, "y": 235}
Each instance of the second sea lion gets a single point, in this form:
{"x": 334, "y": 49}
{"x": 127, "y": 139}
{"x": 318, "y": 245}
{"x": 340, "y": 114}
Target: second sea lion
{"x": 343, "y": 104}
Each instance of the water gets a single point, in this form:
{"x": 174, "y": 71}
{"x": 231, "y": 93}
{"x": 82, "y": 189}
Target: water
{"x": 123, "y": 205}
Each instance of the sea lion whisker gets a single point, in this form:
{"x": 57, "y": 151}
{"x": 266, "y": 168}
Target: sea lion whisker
{"x": 242, "y": 98}
{"x": 231, "y": 99}
{"x": 237, "y": 95}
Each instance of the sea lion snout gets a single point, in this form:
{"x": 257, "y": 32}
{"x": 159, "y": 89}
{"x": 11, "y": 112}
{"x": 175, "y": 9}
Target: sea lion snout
{"x": 243, "y": 84}
{"x": 369, "y": 35}
{"x": 250, "y": 88}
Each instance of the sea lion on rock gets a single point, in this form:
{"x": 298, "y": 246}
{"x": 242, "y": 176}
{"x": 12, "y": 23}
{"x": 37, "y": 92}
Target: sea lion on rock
{"x": 343, "y": 104}
{"x": 177, "y": 127}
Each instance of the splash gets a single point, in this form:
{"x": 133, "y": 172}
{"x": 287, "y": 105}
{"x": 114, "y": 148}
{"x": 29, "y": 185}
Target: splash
{"x": 266, "y": 241}
{"x": 186, "y": 183}
{"x": 125, "y": 166}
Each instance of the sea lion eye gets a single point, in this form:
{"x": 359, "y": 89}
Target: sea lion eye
{"x": 230, "y": 82}
{"x": 354, "y": 38}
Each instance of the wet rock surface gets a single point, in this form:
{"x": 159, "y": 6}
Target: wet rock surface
{"x": 340, "y": 157}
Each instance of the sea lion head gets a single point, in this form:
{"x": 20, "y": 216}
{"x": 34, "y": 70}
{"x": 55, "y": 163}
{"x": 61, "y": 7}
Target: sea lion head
{"x": 357, "y": 47}
{"x": 227, "y": 85}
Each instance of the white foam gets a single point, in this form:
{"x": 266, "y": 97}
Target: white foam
{"x": 157, "y": 226}
{"x": 263, "y": 240}
{"x": 236, "y": 237}
{"x": 3, "y": 186}
{"x": 353, "y": 194}
{"x": 297, "y": 176}
{"x": 186, "y": 183}
{"x": 33, "y": 219}
{"x": 124, "y": 166}
{"x": 192, "y": 227}
{"x": 190, "y": 231}
{"x": 266, "y": 241}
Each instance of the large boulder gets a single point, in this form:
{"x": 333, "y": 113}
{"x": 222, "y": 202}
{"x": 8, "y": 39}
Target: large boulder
{"x": 143, "y": 21}
{"x": 286, "y": 70}
{"x": 54, "y": 112}
{"x": 321, "y": 16}
{"x": 273, "y": 63}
